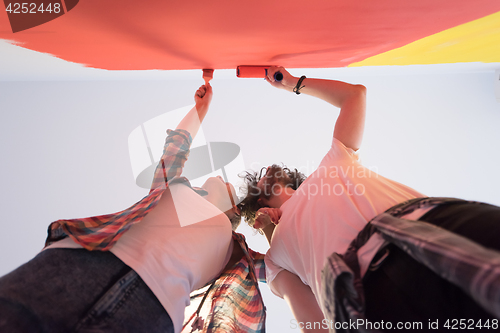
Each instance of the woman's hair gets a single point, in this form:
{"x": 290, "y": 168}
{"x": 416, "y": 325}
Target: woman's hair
{"x": 235, "y": 222}
{"x": 250, "y": 204}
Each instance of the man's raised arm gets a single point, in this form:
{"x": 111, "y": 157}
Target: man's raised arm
{"x": 351, "y": 99}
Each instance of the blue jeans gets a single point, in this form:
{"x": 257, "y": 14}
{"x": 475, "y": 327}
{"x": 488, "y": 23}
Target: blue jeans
{"x": 405, "y": 290}
{"x": 75, "y": 290}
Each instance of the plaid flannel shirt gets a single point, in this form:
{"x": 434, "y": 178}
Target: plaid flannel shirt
{"x": 469, "y": 265}
{"x": 234, "y": 300}
{"x": 102, "y": 232}
{"x": 237, "y": 304}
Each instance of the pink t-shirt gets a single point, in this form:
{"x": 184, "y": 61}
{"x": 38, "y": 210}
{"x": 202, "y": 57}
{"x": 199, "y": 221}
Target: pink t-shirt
{"x": 180, "y": 246}
{"x": 327, "y": 212}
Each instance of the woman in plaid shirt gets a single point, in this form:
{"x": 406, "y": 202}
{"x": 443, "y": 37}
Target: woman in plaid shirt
{"x": 133, "y": 271}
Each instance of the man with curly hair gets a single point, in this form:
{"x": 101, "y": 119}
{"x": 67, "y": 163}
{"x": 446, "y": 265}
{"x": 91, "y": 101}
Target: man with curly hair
{"x": 251, "y": 205}
{"x": 328, "y": 214}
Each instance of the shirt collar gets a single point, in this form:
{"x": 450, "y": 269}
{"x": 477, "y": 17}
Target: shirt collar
{"x": 185, "y": 181}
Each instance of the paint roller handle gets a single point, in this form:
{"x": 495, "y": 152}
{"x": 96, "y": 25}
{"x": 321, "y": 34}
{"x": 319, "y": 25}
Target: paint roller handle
{"x": 278, "y": 76}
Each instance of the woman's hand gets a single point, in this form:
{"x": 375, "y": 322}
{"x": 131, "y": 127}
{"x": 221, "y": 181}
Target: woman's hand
{"x": 203, "y": 98}
{"x": 267, "y": 216}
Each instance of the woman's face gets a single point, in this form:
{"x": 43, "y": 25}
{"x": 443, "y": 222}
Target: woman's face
{"x": 218, "y": 194}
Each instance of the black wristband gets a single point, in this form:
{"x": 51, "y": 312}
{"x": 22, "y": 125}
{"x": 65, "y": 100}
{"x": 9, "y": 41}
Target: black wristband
{"x": 298, "y": 87}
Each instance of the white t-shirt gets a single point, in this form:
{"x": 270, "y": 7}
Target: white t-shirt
{"x": 326, "y": 213}
{"x": 180, "y": 246}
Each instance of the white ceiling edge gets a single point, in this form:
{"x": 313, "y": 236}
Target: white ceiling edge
{"x": 20, "y": 64}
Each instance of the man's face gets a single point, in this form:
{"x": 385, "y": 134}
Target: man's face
{"x": 270, "y": 187}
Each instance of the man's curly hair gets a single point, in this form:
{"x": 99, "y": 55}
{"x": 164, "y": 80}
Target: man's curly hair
{"x": 250, "y": 204}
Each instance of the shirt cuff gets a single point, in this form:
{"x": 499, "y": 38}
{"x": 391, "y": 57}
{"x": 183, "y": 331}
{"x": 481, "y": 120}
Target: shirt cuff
{"x": 181, "y": 132}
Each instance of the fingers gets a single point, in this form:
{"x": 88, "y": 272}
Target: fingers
{"x": 270, "y": 76}
{"x": 271, "y": 71}
{"x": 258, "y": 224}
{"x": 266, "y": 216}
{"x": 287, "y": 82}
{"x": 275, "y": 215}
{"x": 262, "y": 221}
{"x": 201, "y": 91}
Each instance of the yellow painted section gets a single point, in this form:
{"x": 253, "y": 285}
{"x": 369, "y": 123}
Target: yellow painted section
{"x": 475, "y": 41}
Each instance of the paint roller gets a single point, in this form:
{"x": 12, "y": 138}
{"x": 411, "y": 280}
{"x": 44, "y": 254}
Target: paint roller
{"x": 256, "y": 72}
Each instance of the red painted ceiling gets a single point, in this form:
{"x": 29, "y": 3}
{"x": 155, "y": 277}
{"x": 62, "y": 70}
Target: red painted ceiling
{"x": 221, "y": 34}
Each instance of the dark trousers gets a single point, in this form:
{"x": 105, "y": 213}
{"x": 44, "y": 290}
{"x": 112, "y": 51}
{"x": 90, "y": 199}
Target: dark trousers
{"x": 75, "y": 290}
{"x": 403, "y": 290}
